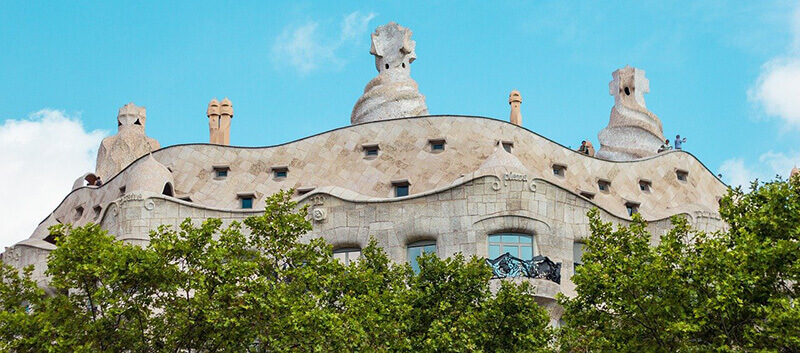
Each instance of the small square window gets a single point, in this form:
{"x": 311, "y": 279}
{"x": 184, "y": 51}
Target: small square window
{"x": 559, "y": 170}
{"x": 246, "y": 199}
{"x": 401, "y": 188}
{"x": 221, "y": 171}
{"x": 371, "y": 150}
{"x": 437, "y": 145}
{"x": 682, "y": 175}
{"x": 603, "y": 185}
{"x": 645, "y": 185}
{"x": 508, "y": 146}
{"x": 247, "y": 202}
{"x": 280, "y": 172}
{"x": 632, "y": 208}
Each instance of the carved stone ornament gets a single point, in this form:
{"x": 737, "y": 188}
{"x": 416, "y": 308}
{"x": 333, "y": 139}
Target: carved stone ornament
{"x": 319, "y": 214}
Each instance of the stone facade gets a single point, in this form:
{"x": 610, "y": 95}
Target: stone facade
{"x": 464, "y": 178}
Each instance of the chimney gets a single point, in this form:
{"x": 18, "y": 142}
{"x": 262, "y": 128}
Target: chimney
{"x": 213, "y": 121}
{"x": 225, "y": 116}
{"x": 515, "y": 100}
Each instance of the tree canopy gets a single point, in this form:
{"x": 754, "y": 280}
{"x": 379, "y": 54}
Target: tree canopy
{"x": 730, "y": 290}
{"x": 255, "y": 287}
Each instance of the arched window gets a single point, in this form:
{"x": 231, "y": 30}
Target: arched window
{"x": 518, "y": 245}
{"x": 416, "y": 250}
{"x": 347, "y": 255}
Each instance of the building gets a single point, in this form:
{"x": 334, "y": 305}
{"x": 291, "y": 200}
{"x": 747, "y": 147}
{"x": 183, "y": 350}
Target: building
{"x": 415, "y": 182}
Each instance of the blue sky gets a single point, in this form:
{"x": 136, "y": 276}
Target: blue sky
{"x": 725, "y": 74}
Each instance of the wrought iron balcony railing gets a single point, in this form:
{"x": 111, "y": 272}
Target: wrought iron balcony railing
{"x": 509, "y": 266}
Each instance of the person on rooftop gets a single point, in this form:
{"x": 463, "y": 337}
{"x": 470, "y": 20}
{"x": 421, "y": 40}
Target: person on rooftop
{"x": 679, "y": 142}
{"x": 665, "y": 146}
{"x": 583, "y": 149}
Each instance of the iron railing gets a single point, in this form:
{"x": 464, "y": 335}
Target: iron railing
{"x": 509, "y": 266}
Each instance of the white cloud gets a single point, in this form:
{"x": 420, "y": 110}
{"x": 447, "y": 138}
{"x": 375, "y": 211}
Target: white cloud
{"x": 736, "y": 172}
{"x": 777, "y": 89}
{"x": 307, "y": 48}
{"x": 42, "y": 156}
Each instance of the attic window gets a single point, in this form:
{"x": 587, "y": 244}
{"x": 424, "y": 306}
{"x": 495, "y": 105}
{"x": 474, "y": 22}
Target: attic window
{"x": 645, "y": 185}
{"x": 168, "y": 190}
{"x": 246, "y": 199}
{"x": 682, "y": 174}
{"x": 628, "y": 91}
{"x": 221, "y": 171}
{"x": 437, "y": 145}
{"x": 97, "y": 209}
{"x": 371, "y": 150}
{"x": 401, "y": 187}
{"x": 632, "y": 208}
{"x": 78, "y": 212}
{"x": 603, "y": 185}
{"x": 280, "y": 172}
{"x": 137, "y": 122}
{"x": 508, "y": 146}
{"x": 559, "y": 170}
{"x": 122, "y": 190}
{"x": 588, "y": 195}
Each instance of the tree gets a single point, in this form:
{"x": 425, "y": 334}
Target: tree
{"x": 208, "y": 288}
{"x": 729, "y": 290}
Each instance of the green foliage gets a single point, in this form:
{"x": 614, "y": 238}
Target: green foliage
{"x": 205, "y": 287}
{"x": 731, "y": 290}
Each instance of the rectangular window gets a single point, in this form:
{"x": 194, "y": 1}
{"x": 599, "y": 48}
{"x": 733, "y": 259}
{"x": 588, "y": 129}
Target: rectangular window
{"x": 437, "y": 145}
{"x": 247, "y": 202}
{"x": 280, "y": 172}
{"x": 603, "y": 185}
{"x": 371, "y": 150}
{"x": 347, "y": 255}
{"x": 221, "y": 171}
{"x": 644, "y": 185}
{"x": 517, "y": 245}
{"x": 401, "y": 188}
{"x": 577, "y": 254}
{"x": 416, "y": 250}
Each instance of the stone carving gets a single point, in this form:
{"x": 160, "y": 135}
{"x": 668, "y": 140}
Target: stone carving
{"x": 393, "y": 93}
{"x": 118, "y": 151}
{"x": 319, "y": 214}
{"x": 515, "y": 100}
{"x": 219, "y": 121}
{"x": 633, "y": 131}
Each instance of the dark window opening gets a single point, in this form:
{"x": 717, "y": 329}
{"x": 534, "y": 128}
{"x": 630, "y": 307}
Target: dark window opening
{"x": 97, "y": 209}
{"x": 404, "y": 65}
{"x": 559, "y": 170}
{"x": 137, "y": 122}
{"x": 628, "y": 91}
{"x": 168, "y": 190}
{"x": 645, "y": 185}
{"x": 632, "y": 208}
{"x": 387, "y": 66}
{"x": 222, "y": 173}
{"x": 280, "y": 172}
{"x": 247, "y": 202}
{"x": 682, "y": 175}
{"x": 371, "y": 150}
{"x": 122, "y": 190}
{"x": 508, "y": 146}
{"x": 603, "y": 185}
{"x": 587, "y": 195}
{"x": 78, "y": 212}
{"x": 437, "y": 145}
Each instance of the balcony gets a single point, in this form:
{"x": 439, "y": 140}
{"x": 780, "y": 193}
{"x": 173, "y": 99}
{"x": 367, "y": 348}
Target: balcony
{"x": 539, "y": 267}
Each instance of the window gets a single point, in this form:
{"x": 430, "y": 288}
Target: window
{"x": 371, "y": 150}
{"x": 508, "y": 146}
{"x": 347, "y": 255}
{"x": 416, "y": 250}
{"x": 280, "y": 172}
{"x": 645, "y": 185}
{"x": 78, "y": 212}
{"x": 632, "y": 208}
{"x": 603, "y": 185}
{"x": 559, "y": 170}
{"x": 167, "y": 190}
{"x": 401, "y": 188}
{"x": 122, "y": 190}
{"x": 97, "y": 209}
{"x": 588, "y": 195}
{"x": 246, "y": 199}
{"x": 437, "y": 145}
{"x": 221, "y": 171}
{"x": 682, "y": 175}
{"x": 577, "y": 254}
{"x": 519, "y": 245}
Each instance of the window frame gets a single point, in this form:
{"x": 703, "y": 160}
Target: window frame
{"x": 502, "y": 243}
{"x": 420, "y": 244}
{"x": 347, "y": 251}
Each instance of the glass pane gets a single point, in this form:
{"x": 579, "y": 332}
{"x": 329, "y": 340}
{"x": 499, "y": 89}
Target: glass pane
{"x": 494, "y": 251}
{"x": 495, "y": 238}
{"x": 526, "y": 253}
{"x": 510, "y": 238}
{"x": 413, "y": 253}
{"x": 247, "y": 203}
{"x": 429, "y": 249}
{"x": 526, "y": 239}
{"x": 401, "y": 190}
{"x": 513, "y": 250}
{"x": 577, "y": 252}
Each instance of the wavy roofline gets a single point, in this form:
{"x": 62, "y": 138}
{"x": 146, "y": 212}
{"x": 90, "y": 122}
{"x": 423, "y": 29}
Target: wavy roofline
{"x": 378, "y": 122}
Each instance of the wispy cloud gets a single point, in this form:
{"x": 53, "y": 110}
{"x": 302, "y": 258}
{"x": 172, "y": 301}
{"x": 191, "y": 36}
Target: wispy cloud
{"x": 737, "y": 172}
{"x": 306, "y": 48}
{"x": 42, "y": 156}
